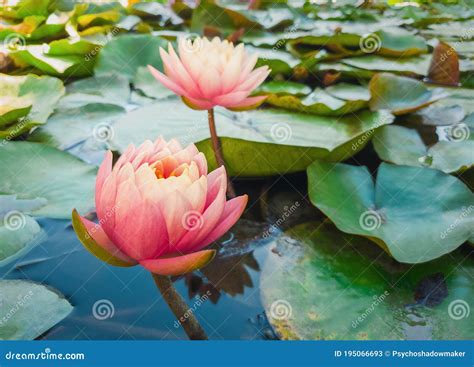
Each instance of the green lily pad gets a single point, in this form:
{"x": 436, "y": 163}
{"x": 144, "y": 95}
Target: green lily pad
{"x": 400, "y": 44}
{"x": 273, "y": 17}
{"x": 74, "y": 46}
{"x": 344, "y": 70}
{"x": 403, "y": 146}
{"x": 401, "y": 95}
{"x": 405, "y": 206}
{"x": 395, "y": 42}
{"x": 29, "y": 309}
{"x": 318, "y": 283}
{"x": 101, "y": 89}
{"x": 254, "y": 143}
{"x": 306, "y": 43}
{"x": 417, "y": 65}
{"x": 65, "y": 65}
{"x": 19, "y": 232}
{"x": 284, "y": 87}
{"x": 349, "y": 92}
{"x": 209, "y": 14}
{"x": 458, "y": 96}
{"x": 99, "y": 18}
{"x": 23, "y": 126}
{"x": 150, "y": 87}
{"x": 14, "y": 29}
{"x": 24, "y": 8}
{"x": 320, "y": 102}
{"x": 13, "y": 108}
{"x": 38, "y": 171}
{"x": 279, "y": 61}
{"x": 91, "y": 123}
{"x": 41, "y": 92}
{"x": 124, "y": 55}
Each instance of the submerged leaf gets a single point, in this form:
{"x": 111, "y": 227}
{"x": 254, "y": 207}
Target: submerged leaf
{"x": 401, "y": 95}
{"x": 318, "y": 283}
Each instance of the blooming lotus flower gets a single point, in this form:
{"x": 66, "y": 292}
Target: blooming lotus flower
{"x": 211, "y": 73}
{"x": 159, "y": 207}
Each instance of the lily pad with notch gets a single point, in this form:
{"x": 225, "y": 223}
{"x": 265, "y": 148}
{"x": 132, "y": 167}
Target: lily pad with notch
{"x": 404, "y": 146}
{"x": 404, "y": 206}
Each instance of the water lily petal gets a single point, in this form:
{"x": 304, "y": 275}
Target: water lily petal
{"x": 180, "y": 264}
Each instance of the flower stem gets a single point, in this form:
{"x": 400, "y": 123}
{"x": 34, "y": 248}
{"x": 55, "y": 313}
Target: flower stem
{"x": 179, "y": 307}
{"x": 216, "y": 147}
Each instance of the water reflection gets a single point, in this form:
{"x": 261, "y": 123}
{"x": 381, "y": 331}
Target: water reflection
{"x": 139, "y": 311}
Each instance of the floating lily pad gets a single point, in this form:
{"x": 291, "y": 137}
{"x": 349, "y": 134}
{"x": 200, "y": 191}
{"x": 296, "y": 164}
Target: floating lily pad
{"x": 401, "y": 95}
{"x": 101, "y": 89}
{"x": 319, "y": 283}
{"x": 405, "y": 206}
{"x": 279, "y": 61}
{"x": 284, "y": 87}
{"x": 436, "y": 115}
{"x": 320, "y": 102}
{"x": 254, "y": 143}
{"x": 19, "y": 233}
{"x": 91, "y": 123}
{"x": 125, "y": 54}
{"x": 65, "y": 65}
{"x": 13, "y": 108}
{"x": 75, "y": 46}
{"x": 42, "y": 93}
{"x": 458, "y": 96}
{"x": 99, "y": 18}
{"x": 150, "y": 87}
{"x": 38, "y": 171}
{"x": 209, "y": 14}
{"x": 29, "y": 309}
{"x": 399, "y": 43}
{"x": 403, "y": 146}
{"x": 417, "y": 65}
{"x": 349, "y": 92}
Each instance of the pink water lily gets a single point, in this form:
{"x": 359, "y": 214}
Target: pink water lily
{"x": 211, "y": 73}
{"x": 159, "y": 207}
